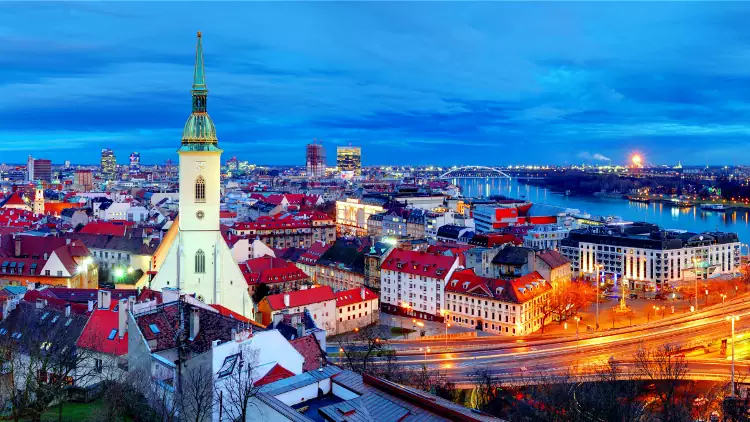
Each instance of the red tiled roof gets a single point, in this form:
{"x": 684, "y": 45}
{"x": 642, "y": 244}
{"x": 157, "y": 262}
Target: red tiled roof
{"x": 269, "y": 270}
{"x": 301, "y": 297}
{"x": 105, "y": 227}
{"x": 419, "y": 263}
{"x": 276, "y": 373}
{"x": 310, "y": 350}
{"x": 553, "y": 258}
{"x": 230, "y": 313}
{"x": 14, "y": 199}
{"x": 314, "y": 252}
{"x": 518, "y": 290}
{"x": 227, "y": 214}
{"x": 32, "y": 295}
{"x": 351, "y": 296}
{"x": 96, "y": 333}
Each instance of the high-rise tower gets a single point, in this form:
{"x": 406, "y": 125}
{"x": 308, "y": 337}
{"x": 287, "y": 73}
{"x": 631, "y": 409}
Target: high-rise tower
{"x": 199, "y": 260}
{"x": 315, "y": 160}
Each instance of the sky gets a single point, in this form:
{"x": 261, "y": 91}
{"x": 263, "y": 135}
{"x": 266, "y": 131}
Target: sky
{"x": 459, "y": 83}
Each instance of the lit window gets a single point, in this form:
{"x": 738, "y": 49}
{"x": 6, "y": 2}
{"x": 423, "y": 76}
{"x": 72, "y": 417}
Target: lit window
{"x": 200, "y": 189}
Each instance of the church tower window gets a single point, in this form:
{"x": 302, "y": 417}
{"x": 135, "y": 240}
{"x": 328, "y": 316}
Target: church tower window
{"x": 200, "y": 262}
{"x": 200, "y": 189}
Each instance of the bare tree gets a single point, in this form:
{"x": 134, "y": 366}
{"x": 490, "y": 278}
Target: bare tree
{"x": 668, "y": 368}
{"x": 234, "y": 392}
{"x": 359, "y": 350}
{"x": 197, "y": 394}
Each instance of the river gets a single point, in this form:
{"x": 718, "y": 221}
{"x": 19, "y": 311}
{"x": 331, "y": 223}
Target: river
{"x": 692, "y": 219}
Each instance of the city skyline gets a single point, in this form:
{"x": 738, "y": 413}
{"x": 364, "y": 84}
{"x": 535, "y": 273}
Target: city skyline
{"x": 571, "y": 83}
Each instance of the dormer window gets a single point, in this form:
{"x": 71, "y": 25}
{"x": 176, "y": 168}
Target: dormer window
{"x": 466, "y": 285}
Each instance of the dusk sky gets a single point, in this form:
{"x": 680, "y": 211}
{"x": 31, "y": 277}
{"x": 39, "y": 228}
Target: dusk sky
{"x": 411, "y": 83}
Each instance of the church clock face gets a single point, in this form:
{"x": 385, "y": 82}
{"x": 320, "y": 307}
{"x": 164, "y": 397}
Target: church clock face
{"x": 200, "y": 165}
{"x": 200, "y": 215}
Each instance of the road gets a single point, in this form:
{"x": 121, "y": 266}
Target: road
{"x": 460, "y": 358}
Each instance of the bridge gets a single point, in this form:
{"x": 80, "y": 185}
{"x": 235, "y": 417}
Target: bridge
{"x": 475, "y": 172}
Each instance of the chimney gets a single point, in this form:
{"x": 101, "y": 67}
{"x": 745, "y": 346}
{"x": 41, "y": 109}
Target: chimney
{"x": 46, "y": 256}
{"x": 362, "y": 293}
{"x": 104, "y": 299}
{"x": 286, "y": 300}
{"x": 131, "y": 303}
{"x": 91, "y": 305}
{"x": 276, "y": 319}
{"x": 300, "y": 330}
{"x": 169, "y": 295}
{"x": 17, "y": 243}
{"x": 67, "y": 310}
{"x": 67, "y": 241}
{"x": 234, "y": 334}
{"x": 215, "y": 343}
{"x": 195, "y": 321}
{"x": 122, "y": 317}
{"x": 40, "y": 303}
{"x": 30, "y": 285}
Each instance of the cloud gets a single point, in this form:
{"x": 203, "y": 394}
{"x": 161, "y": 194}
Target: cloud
{"x": 445, "y": 83}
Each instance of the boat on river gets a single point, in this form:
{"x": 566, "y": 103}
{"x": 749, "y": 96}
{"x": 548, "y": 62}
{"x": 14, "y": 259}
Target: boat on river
{"x": 642, "y": 199}
{"x": 713, "y": 207}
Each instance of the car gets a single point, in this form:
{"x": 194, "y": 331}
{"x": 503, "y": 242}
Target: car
{"x": 633, "y": 295}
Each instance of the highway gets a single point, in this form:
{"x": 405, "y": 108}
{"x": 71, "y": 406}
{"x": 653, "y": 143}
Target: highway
{"x": 514, "y": 358}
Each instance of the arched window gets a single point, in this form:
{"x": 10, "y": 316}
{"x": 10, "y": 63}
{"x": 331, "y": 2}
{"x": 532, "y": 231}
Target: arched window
{"x": 200, "y": 262}
{"x": 200, "y": 189}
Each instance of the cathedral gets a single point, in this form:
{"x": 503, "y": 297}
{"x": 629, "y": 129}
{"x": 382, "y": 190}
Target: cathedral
{"x": 199, "y": 261}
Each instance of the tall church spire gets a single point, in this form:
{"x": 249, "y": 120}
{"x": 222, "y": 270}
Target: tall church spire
{"x": 199, "y": 129}
{"x": 199, "y": 74}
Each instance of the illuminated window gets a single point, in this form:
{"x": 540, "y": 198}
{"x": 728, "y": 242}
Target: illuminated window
{"x": 200, "y": 189}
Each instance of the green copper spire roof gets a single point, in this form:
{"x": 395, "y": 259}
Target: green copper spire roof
{"x": 199, "y": 128}
{"x": 199, "y": 74}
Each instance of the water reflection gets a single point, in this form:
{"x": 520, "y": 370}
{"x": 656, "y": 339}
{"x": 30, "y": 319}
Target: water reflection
{"x": 686, "y": 218}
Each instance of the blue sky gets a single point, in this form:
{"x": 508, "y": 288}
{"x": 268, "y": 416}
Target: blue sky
{"x": 421, "y": 83}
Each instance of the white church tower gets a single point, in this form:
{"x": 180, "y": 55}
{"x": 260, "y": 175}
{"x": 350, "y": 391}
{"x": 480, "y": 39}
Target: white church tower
{"x": 199, "y": 260}
{"x": 38, "y": 205}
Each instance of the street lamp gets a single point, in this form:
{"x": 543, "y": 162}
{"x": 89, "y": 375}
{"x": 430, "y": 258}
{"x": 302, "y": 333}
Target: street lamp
{"x": 695, "y": 273}
{"x": 578, "y": 338}
{"x": 706, "y": 297}
{"x": 599, "y": 267}
{"x": 426, "y": 349}
{"x": 341, "y": 354}
{"x": 723, "y": 296}
{"x": 733, "y": 318}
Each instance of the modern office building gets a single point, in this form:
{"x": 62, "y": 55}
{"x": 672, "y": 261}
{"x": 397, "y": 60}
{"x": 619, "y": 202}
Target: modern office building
{"x": 349, "y": 158}
{"x": 315, "y": 160}
{"x": 135, "y": 163}
{"x": 30, "y": 169}
{"x": 648, "y": 257}
{"x": 42, "y": 170}
{"x": 109, "y": 164}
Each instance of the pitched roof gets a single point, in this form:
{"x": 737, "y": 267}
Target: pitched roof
{"x": 553, "y": 258}
{"x": 301, "y": 297}
{"x": 352, "y": 296}
{"x": 14, "y": 199}
{"x": 309, "y": 348}
{"x": 419, "y": 263}
{"x": 276, "y": 373}
{"x": 234, "y": 315}
{"x": 269, "y": 270}
{"x": 105, "y": 227}
{"x": 512, "y": 255}
{"x": 97, "y": 334}
{"x": 518, "y": 290}
{"x": 160, "y": 327}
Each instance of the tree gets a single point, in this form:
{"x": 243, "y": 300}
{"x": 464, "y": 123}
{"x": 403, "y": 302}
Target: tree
{"x": 234, "y": 392}
{"x": 260, "y": 292}
{"x": 360, "y": 349}
{"x": 41, "y": 360}
{"x": 667, "y": 366}
{"x": 197, "y": 394}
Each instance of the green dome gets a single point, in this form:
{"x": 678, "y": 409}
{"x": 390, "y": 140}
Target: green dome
{"x": 199, "y": 128}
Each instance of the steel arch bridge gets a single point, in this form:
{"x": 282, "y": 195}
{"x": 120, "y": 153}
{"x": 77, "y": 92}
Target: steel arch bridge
{"x": 475, "y": 172}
